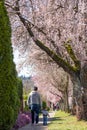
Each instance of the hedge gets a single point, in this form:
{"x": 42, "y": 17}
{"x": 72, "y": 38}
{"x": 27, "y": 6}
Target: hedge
{"x": 9, "y": 99}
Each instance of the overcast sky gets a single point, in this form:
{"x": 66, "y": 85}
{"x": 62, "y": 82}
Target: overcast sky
{"x": 24, "y": 70}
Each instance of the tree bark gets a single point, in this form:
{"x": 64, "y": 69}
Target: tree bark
{"x": 83, "y": 77}
{"x": 66, "y": 100}
{"x": 77, "y": 98}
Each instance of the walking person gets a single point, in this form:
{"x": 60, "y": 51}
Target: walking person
{"x": 45, "y": 115}
{"x": 34, "y": 102}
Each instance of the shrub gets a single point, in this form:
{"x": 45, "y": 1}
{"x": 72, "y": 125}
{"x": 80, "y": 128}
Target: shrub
{"x": 44, "y": 105}
{"x": 26, "y": 108}
{"x": 25, "y": 97}
{"x": 20, "y": 89}
{"x": 20, "y": 93}
{"x": 9, "y": 100}
{"x": 23, "y": 119}
{"x": 48, "y": 108}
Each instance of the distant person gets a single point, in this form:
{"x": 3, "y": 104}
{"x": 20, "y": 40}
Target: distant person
{"x": 45, "y": 115}
{"x": 34, "y": 102}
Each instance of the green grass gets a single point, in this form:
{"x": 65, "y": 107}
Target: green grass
{"x": 65, "y": 121}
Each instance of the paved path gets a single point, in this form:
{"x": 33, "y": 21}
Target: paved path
{"x": 38, "y": 126}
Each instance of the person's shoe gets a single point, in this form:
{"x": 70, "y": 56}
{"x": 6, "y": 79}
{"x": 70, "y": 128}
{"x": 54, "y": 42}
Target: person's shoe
{"x": 44, "y": 124}
{"x": 36, "y": 123}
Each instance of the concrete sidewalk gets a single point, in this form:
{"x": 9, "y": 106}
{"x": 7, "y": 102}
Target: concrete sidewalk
{"x": 38, "y": 126}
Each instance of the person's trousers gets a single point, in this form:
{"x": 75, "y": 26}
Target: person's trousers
{"x": 35, "y": 113}
{"x": 44, "y": 120}
{"x": 34, "y": 116}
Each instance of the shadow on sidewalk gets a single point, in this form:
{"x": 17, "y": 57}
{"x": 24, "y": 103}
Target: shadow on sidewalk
{"x": 40, "y": 125}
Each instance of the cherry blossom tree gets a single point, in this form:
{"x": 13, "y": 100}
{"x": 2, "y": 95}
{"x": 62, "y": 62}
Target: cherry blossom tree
{"x": 59, "y": 28}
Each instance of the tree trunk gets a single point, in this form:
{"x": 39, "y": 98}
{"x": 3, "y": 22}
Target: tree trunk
{"x": 84, "y": 87}
{"x": 78, "y": 108}
{"x": 66, "y": 103}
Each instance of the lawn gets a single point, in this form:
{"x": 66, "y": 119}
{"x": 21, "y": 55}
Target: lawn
{"x": 65, "y": 121}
